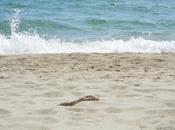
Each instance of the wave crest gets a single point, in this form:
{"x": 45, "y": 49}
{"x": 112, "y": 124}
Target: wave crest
{"x": 33, "y": 44}
{"x": 25, "y": 43}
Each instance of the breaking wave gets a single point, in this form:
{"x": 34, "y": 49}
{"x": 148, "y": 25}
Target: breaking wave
{"x": 27, "y": 43}
{"x": 33, "y": 44}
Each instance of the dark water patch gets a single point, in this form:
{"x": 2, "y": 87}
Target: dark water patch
{"x": 96, "y": 21}
{"x": 14, "y": 5}
{"x": 5, "y": 27}
{"x": 168, "y": 24}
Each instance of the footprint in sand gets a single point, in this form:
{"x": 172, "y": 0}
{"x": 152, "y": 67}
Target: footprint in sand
{"x": 91, "y": 110}
{"x": 77, "y": 93}
{"x": 25, "y": 127}
{"x": 169, "y": 112}
{"x": 113, "y": 110}
{"x": 4, "y": 112}
{"x": 70, "y": 87}
{"x": 76, "y": 109}
{"x": 46, "y": 111}
{"x": 52, "y": 94}
{"x": 170, "y": 104}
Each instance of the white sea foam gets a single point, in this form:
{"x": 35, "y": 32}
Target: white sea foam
{"x": 23, "y": 43}
{"x": 28, "y": 44}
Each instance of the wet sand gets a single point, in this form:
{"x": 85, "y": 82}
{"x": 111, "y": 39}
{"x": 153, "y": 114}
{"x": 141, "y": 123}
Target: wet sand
{"x": 136, "y": 92}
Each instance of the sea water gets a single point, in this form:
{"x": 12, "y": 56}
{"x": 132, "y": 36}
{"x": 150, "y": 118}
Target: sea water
{"x": 86, "y": 26}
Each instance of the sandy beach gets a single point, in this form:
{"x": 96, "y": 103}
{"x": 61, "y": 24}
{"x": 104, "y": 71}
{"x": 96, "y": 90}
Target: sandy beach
{"x": 136, "y": 92}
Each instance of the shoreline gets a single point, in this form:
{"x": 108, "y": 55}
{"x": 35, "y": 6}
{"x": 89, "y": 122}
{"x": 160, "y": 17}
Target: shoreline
{"x": 136, "y": 91}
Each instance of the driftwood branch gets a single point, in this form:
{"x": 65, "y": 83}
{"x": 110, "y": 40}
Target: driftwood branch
{"x": 86, "y": 98}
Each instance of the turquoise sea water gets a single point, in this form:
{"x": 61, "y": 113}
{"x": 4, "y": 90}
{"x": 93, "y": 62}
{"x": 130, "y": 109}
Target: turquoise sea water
{"x": 54, "y": 26}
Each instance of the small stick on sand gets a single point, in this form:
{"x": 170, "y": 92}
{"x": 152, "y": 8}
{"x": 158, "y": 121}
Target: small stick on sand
{"x": 86, "y": 98}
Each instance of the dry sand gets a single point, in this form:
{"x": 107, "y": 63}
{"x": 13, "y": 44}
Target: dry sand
{"x": 136, "y": 92}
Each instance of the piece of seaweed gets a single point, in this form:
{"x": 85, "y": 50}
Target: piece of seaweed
{"x": 86, "y": 98}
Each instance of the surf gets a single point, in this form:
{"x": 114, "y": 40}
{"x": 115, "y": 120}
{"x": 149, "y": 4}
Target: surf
{"x": 33, "y": 43}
